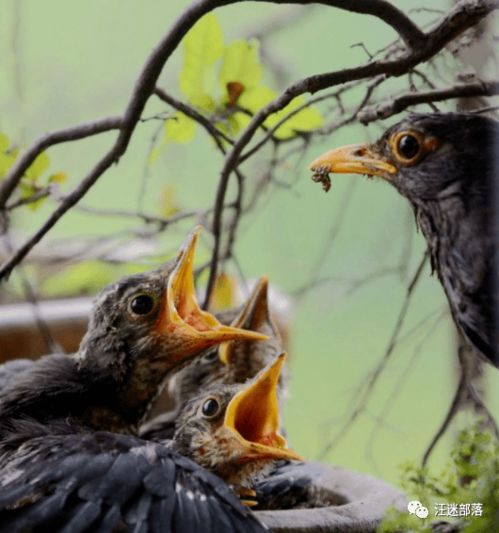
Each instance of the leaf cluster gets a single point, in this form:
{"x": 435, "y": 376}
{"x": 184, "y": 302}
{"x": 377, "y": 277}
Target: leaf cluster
{"x": 471, "y": 476}
{"x": 225, "y": 83}
{"x": 35, "y": 183}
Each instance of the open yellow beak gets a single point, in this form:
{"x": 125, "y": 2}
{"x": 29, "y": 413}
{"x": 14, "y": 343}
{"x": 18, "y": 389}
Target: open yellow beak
{"x": 188, "y": 327}
{"x": 352, "y": 159}
{"x": 253, "y": 417}
{"x": 254, "y": 313}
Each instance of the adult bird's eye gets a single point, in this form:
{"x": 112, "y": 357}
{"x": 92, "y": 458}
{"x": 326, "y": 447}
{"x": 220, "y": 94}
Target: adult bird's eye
{"x": 142, "y": 304}
{"x": 210, "y": 408}
{"x": 407, "y": 147}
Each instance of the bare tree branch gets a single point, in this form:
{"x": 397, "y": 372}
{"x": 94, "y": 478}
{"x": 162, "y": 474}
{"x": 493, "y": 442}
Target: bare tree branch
{"x": 465, "y": 396}
{"x": 144, "y": 87}
{"x": 162, "y": 222}
{"x": 195, "y": 115}
{"x": 12, "y": 179}
{"x": 38, "y": 195}
{"x": 374, "y": 375}
{"x": 422, "y": 46}
{"x": 465, "y": 15}
{"x": 400, "y": 103}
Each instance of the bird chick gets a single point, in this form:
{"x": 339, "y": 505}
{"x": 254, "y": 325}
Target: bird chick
{"x": 140, "y": 328}
{"x": 233, "y": 362}
{"x": 445, "y": 165}
{"x": 233, "y": 430}
{"x": 68, "y": 454}
{"x": 238, "y": 360}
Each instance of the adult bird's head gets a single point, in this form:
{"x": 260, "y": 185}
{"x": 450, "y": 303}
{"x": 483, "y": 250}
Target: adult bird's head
{"x": 446, "y": 165}
{"x": 233, "y": 430}
{"x": 425, "y": 156}
{"x": 144, "y": 325}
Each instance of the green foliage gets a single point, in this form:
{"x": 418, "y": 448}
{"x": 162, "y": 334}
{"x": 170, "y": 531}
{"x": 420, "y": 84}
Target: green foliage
{"x": 242, "y": 64}
{"x": 203, "y": 46}
{"x": 224, "y": 82}
{"x": 35, "y": 179}
{"x": 471, "y": 476}
{"x": 180, "y": 128}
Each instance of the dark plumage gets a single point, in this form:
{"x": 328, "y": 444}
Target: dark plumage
{"x": 100, "y": 481}
{"x": 445, "y": 165}
{"x": 63, "y": 454}
{"x": 11, "y": 369}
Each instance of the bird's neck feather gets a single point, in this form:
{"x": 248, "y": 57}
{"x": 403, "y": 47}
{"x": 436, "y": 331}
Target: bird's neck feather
{"x": 60, "y": 386}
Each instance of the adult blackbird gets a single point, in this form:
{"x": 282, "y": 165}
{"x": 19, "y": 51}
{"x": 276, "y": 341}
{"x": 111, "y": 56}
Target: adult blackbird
{"x": 233, "y": 430}
{"x": 445, "y": 165}
{"x": 69, "y": 459}
{"x": 233, "y": 362}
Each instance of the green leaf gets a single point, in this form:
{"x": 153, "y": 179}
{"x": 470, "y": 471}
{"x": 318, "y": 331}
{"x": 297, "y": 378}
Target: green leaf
{"x": 203, "y": 46}
{"x": 38, "y": 167}
{"x": 308, "y": 119}
{"x": 241, "y": 64}
{"x": 180, "y": 128}
{"x": 254, "y": 99}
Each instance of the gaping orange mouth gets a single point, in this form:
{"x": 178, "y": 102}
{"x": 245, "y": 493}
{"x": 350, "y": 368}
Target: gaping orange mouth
{"x": 252, "y": 416}
{"x": 252, "y": 316}
{"x": 187, "y": 326}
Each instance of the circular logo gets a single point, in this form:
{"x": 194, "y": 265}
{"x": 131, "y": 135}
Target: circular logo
{"x": 417, "y": 508}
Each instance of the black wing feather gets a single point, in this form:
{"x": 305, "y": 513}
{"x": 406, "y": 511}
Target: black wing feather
{"x": 108, "y": 521}
{"x": 101, "y": 481}
{"x": 82, "y": 517}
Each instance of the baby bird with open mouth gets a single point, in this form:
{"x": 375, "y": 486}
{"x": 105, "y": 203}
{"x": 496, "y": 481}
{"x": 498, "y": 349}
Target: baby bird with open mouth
{"x": 233, "y": 430}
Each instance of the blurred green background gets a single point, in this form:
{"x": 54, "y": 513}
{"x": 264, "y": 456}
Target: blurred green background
{"x": 68, "y": 62}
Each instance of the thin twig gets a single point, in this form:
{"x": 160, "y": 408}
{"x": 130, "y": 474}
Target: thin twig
{"x": 465, "y": 15}
{"x": 13, "y": 177}
{"x": 162, "y": 222}
{"x": 38, "y": 195}
{"x": 465, "y": 390}
{"x": 195, "y": 115}
{"x": 375, "y": 374}
{"x": 400, "y": 103}
{"x": 421, "y": 47}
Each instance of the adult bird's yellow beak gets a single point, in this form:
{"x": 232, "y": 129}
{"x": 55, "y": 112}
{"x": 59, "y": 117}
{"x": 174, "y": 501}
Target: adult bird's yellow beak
{"x": 353, "y": 159}
{"x": 188, "y": 328}
{"x": 253, "y": 417}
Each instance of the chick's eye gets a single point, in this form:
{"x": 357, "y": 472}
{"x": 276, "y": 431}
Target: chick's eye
{"x": 210, "y": 408}
{"x": 142, "y": 304}
{"x": 211, "y": 357}
{"x": 408, "y": 146}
